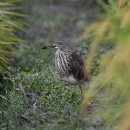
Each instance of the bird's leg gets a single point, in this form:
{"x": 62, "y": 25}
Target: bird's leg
{"x": 81, "y": 88}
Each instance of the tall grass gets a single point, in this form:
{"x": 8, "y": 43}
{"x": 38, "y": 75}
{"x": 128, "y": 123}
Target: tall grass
{"x": 9, "y": 23}
{"x": 111, "y": 86}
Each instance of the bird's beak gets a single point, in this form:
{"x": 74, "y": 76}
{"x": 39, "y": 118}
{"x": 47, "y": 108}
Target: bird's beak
{"x": 56, "y": 47}
{"x": 49, "y": 46}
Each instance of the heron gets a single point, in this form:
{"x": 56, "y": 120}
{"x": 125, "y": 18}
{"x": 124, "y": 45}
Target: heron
{"x": 69, "y": 65}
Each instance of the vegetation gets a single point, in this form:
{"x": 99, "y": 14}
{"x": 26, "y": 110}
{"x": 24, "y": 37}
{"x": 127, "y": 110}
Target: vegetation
{"x": 9, "y": 21}
{"x": 33, "y": 97}
{"x": 111, "y": 85}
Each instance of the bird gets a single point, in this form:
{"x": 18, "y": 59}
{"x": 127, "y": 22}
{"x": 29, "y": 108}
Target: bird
{"x": 69, "y": 65}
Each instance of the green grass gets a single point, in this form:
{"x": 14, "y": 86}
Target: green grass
{"x": 41, "y": 98}
{"x": 10, "y": 21}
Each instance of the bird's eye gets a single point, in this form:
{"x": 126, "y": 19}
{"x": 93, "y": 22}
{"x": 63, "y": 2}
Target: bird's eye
{"x": 60, "y": 42}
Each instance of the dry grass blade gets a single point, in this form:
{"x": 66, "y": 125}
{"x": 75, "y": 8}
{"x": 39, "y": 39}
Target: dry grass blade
{"x": 113, "y": 78}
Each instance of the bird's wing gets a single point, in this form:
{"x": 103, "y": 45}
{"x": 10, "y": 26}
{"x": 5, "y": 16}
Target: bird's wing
{"x": 77, "y": 66}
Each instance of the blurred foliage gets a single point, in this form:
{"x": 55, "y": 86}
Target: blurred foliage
{"x": 10, "y": 21}
{"x": 111, "y": 86}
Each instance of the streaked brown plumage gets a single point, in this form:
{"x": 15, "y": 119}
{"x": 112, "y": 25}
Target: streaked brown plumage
{"x": 69, "y": 65}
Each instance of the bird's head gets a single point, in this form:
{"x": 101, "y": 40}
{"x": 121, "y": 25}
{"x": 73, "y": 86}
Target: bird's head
{"x": 58, "y": 44}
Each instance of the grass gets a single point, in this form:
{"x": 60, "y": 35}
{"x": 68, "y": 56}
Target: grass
{"x": 40, "y": 98}
{"x": 10, "y": 21}
{"x": 112, "y": 80}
